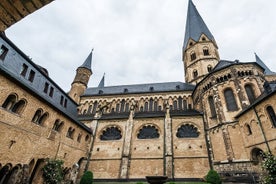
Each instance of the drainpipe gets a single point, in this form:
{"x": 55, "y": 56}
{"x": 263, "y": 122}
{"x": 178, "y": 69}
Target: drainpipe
{"x": 262, "y": 130}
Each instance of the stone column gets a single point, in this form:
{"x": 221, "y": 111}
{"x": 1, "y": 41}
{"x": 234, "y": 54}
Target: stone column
{"x": 168, "y": 154}
{"x": 125, "y": 162}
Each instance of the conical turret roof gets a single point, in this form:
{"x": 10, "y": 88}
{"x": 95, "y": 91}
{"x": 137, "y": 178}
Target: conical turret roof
{"x": 101, "y": 84}
{"x": 195, "y": 26}
{"x": 87, "y": 63}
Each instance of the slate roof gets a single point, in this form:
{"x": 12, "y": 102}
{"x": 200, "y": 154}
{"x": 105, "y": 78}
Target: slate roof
{"x": 87, "y": 62}
{"x": 223, "y": 64}
{"x": 139, "y": 88}
{"x": 195, "y": 26}
{"x": 267, "y": 71}
{"x": 11, "y": 66}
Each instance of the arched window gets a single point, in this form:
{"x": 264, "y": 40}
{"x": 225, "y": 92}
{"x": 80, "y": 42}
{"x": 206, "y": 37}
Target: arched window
{"x": 94, "y": 107}
{"x": 212, "y": 106}
{"x": 180, "y": 100}
{"x": 257, "y": 155}
{"x": 185, "y": 104}
{"x": 250, "y": 93}
{"x": 85, "y": 111}
{"x": 195, "y": 73}
{"x": 19, "y": 106}
{"x": 272, "y": 116}
{"x": 9, "y": 102}
{"x": 155, "y": 106}
{"x": 37, "y": 115}
{"x": 59, "y": 128}
{"x": 151, "y": 104}
{"x": 127, "y": 107}
{"x": 146, "y": 106}
{"x": 175, "y": 105}
{"x": 56, "y": 124}
{"x": 42, "y": 119}
{"x": 193, "y": 56}
{"x": 70, "y": 132}
{"x": 248, "y": 129}
{"x": 79, "y": 137}
{"x": 111, "y": 133}
{"x": 117, "y": 107}
{"x": 122, "y": 109}
{"x": 148, "y": 132}
{"x": 206, "y": 51}
{"x": 209, "y": 68}
{"x": 230, "y": 100}
{"x": 187, "y": 131}
{"x": 86, "y": 137}
{"x": 89, "y": 109}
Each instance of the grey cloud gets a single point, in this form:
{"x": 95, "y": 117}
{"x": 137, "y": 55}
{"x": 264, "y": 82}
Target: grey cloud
{"x": 139, "y": 41}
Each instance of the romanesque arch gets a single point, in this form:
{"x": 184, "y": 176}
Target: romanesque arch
{"x": 148, "y": 131}
{"x": 187, "y": 131}
{"x": 111, "y": 133}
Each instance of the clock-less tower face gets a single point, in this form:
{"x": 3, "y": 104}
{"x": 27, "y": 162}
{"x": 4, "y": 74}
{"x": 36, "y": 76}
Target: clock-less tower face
{"x": 199, "y": 58}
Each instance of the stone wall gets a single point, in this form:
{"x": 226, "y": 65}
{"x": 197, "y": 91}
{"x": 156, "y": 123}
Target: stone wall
{"x": 25, "y": 142}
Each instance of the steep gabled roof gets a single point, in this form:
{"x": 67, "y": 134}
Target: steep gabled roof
{"x": 139, "y": 88}
{"x": 195, "y": 26}
{"x": 267, "y": 71}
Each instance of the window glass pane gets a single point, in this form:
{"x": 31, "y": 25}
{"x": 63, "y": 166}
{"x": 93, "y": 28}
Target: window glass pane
{"x": 230, "y": 100}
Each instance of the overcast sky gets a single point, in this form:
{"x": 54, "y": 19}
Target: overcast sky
{"x": 140, "y": 41}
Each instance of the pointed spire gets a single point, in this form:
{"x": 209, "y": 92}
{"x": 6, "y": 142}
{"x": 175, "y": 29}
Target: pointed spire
{"x": 88, "y": 61}
{"x": 195, "y": 25}
{"x": 101, "y": 84}
{"x": 267, "y": 71}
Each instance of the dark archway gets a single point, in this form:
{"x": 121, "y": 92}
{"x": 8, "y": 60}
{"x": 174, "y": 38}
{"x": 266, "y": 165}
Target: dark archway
{"x": 4, "y": 172}
{"x": 37, "y": 171}
{"x": 257, "y": 156}
{"x": 13, "y": 175}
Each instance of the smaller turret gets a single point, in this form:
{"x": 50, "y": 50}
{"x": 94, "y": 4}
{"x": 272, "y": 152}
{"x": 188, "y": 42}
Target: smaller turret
{"x": 79, "y": 85}
{"x": 101, "y": 84}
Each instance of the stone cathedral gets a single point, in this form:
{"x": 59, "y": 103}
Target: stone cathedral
{"x": 222, "y": 117}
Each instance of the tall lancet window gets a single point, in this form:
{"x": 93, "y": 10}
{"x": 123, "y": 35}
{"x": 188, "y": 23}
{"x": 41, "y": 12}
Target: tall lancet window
{"x": 230, "y": 100}
{"x": 250, "y": 93}
{"x": 272, "y": 115}
{"x": 212, "y": 106}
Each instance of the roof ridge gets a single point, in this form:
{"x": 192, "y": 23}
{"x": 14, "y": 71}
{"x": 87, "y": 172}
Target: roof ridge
{"x": 145, "y": 84}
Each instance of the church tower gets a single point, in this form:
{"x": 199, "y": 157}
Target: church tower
{"x": 79, "y": 85}
{"x": 200, "y": 51}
